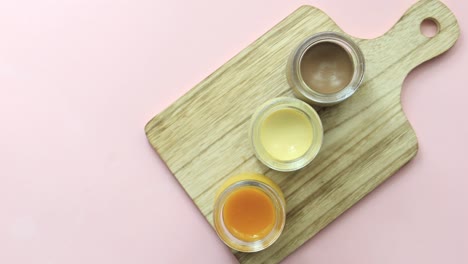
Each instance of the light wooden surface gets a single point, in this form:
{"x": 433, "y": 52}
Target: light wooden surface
{"x": 203, "y": 136}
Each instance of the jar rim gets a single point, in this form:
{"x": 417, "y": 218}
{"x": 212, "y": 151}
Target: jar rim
{"x": 283, "y": 103}
{"x": 303, "y": 91}
{"x": 249, "y": 246}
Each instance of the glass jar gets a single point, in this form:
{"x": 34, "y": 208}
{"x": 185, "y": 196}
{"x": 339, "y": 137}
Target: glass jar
{"x": 312, "y": 146}
{"x": 308, "y": 94}
{"x": 257, "y": 183}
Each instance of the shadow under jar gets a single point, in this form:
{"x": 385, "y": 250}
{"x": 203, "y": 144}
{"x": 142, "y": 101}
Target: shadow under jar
{"x": 326, "y": 69}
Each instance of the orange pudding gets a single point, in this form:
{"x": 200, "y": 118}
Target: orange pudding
{"x": 249, "y": 214}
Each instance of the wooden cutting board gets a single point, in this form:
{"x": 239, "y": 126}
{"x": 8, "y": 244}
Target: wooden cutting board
{"x": 203, "y": 136}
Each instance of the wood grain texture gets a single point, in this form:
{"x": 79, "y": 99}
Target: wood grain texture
{"x": 203, "y": 136}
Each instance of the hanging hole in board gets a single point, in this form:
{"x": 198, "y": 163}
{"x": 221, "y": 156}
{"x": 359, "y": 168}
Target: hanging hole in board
{"x": 430, "y": 27}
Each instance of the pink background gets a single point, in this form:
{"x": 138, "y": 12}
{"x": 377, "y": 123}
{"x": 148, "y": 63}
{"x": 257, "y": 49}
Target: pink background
{"x": 80, "y": 184}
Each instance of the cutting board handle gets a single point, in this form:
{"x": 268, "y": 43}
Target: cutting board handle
{"x": 406, "y": 33}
